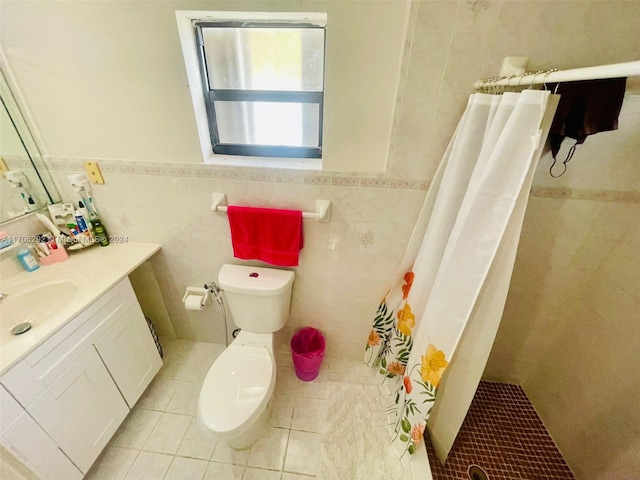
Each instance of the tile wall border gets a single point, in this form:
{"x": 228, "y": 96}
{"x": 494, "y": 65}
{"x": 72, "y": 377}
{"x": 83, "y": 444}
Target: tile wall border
{"x": 337, "y": 179}
{"x": 626, "y": 196}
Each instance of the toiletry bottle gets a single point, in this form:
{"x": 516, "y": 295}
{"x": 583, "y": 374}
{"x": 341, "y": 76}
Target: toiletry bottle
{"x": 84, "y": 235}
{"x": 71, "y": 227}
{"x": 27, "y": 259}
{"x": 85, "y": 214}
{"x": 101, "y": 233}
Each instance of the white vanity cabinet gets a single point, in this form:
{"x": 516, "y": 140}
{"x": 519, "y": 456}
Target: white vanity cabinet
{"x": 81, "y": 409}
{"x": 130, "y": 353}
{"x": 26, "y": 439}
{"x": 81, "y": 382}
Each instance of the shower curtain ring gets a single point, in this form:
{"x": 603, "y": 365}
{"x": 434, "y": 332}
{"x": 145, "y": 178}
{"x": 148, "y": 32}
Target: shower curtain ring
{"x": 546, "y": 74}
{"x": 533, "y": 79}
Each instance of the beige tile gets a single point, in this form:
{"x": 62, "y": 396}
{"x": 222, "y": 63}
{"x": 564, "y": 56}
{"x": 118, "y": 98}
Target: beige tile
{"x": 286, "y": 381}
{"x": 415, "y": 115}
{"x": 157, "y": 396}
{"x": 309, "y": 415}
{"x": 295, "y": 476}
{"x": 283, "y": 359}
{"x": 186, "y": 469}
{"x": 437, "y": 15}
{"x": 136, "y": 428}
{"x": 198, "y": 362}
{"x": 611, "y": 302}
{"x": 551, "y": 250}
{"x": 177, "y": 356}
{"x": 268, "y": 452}
{"x": 149, "y": 466}
{"x": 478, "y": 16}
{"x": 226, "y": 454}
{"x": 289, "y": 195}
{"x": 168, "y": 433}
{"x": 113, "y": 464}
{"x": 550, "y": 281}
{"x": 622, "y": 265}
{"x": 405, "y": 156}
{"x": 184, "y": 399}
{"x": 302, "y": 453}
{"x": 592, "y": 253}
{"x": 195, "y": 193}
{"x": 344, "y": 204}
{"x": 260, "y": 474}
{"x": 565, "y": 217}
{"x": 313, "y": 389}
{"x": 616, "y": 220}
{"x": 282, "y": 410}
{"x": 197, "y": 443}
{"x": 220, "y": 471}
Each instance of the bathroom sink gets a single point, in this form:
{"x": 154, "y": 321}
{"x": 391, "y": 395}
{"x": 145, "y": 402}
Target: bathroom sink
{"x": 37, "y": 300}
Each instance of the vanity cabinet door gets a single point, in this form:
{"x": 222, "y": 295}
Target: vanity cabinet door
{"x": 29, "y": 444}
{"x": 81, "y": 409}
{"x": 130, "y": 354}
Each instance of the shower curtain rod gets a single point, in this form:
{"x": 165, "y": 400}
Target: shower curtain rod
{"x": 616, "y": 70}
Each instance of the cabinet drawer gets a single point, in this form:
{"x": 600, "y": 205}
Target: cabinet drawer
{"x": 30, "y": 377}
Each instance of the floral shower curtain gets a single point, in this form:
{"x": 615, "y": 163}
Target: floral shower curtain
{"x": 458, "y": 232}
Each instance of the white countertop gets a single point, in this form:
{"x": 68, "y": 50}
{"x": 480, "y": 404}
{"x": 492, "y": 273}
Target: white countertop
{"x": 103, "y": 267}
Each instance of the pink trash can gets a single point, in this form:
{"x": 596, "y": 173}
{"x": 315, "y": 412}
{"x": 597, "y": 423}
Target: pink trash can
{"x": 307, "y": 349}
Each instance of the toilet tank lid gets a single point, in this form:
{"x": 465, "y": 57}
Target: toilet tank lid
{"x": 254, "y": 280}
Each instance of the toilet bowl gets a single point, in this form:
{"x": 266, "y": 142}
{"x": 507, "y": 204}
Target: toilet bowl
{"x": 236, "y": 394}
{"x": 235, "y": 398}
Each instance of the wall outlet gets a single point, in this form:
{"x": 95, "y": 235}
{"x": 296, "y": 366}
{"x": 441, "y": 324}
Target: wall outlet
{"x": 3, "y": 167}
{"x": 93, "y": 172}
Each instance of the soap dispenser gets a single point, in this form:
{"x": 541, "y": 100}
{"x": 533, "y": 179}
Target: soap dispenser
{"x": 26, "y": 258}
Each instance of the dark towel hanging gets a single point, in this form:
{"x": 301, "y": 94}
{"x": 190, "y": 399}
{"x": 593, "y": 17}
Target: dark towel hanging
{"x": 585, "y": 108}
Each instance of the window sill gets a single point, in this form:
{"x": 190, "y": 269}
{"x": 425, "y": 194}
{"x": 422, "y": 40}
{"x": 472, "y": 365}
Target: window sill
{"x": 311, "y": 164}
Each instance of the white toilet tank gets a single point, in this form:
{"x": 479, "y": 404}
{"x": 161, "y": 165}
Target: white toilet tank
{"x": 259, "y": 298}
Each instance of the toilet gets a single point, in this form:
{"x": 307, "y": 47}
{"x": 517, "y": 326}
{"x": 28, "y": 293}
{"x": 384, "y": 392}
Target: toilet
{"x": 235, "y": 398}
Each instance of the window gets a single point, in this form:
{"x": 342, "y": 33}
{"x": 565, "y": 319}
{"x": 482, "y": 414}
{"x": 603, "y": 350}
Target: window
{"x": 263, "y": 85}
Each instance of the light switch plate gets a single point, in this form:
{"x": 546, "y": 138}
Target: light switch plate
{"x": 93, "y": 172}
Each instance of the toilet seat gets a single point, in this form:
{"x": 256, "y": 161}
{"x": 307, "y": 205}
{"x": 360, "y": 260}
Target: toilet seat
{"x": 237, "y": 388}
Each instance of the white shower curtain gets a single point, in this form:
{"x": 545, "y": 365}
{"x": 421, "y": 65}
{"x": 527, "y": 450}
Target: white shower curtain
{"x": 453, "y": 246}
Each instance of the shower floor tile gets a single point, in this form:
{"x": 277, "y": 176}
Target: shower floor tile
{"x": 503, "y": 434}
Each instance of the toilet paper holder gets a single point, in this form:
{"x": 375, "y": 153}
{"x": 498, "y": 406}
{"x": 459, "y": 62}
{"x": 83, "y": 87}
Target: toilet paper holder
{"x": 198, "y": 292}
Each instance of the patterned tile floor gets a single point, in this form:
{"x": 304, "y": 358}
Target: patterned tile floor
{"x": 502, "y": 434}
{"x": 161, "y": 440}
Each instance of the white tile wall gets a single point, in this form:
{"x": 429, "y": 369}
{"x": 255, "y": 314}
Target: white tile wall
{"x": 576, "y": 255}
{"x": 345, "y": 265}
{"x": 571, "y": 325}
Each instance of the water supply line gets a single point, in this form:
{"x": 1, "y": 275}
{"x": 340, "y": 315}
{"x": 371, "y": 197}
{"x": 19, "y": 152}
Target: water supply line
{"x": 216, "y": 291}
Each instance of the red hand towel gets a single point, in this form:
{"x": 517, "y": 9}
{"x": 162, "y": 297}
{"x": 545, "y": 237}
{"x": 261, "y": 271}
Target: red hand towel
{"x": 267, "y": 234}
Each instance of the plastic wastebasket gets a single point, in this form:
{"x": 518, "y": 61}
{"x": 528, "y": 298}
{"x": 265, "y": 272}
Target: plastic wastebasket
{"x": 307, "y": 349}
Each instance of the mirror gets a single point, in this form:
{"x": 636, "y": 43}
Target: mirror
{"x": 25, "y": 183}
